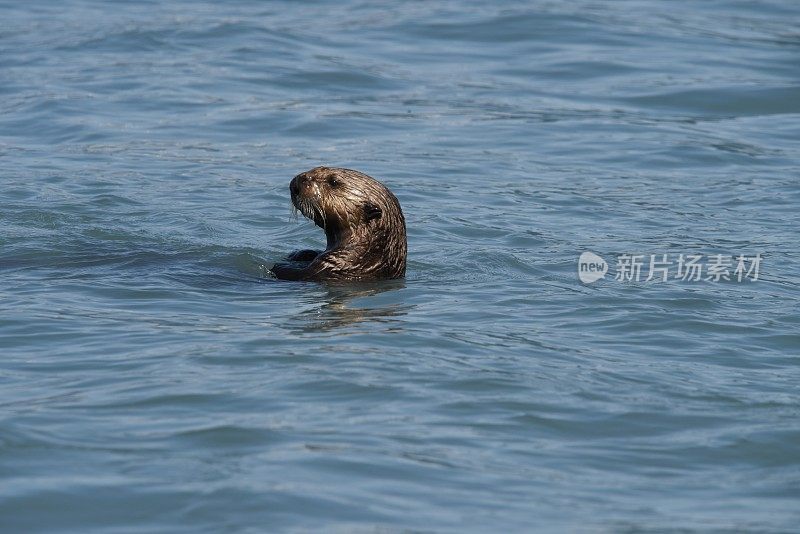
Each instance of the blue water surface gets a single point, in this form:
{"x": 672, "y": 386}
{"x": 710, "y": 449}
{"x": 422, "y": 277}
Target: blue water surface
{"x": 154, "y": 377}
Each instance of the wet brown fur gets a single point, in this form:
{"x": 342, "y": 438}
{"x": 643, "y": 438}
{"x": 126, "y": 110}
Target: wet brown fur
{"x": 363, "y": 223}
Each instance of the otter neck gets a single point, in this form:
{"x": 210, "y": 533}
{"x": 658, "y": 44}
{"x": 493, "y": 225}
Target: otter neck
{"x": 336, "y": 236}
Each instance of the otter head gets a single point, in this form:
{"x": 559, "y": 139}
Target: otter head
{"x": 362, "y": 219}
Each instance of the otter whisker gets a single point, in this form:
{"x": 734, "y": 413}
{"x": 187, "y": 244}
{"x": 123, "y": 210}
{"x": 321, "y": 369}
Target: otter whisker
{"x": 322, "y": 217}
{"x": 303, "y": 207}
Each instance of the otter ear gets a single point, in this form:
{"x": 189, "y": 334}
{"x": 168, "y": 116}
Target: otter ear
{"x": 371, "y": 211}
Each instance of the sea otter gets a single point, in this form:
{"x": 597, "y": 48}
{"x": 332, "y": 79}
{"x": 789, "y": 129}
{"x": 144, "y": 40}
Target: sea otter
{"x": 363, "y": 223}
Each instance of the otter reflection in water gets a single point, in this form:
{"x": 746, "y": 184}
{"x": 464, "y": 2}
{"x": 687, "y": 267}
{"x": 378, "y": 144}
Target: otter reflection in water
{"x": 363, "y": 223}
{"x": 363, "y": 306}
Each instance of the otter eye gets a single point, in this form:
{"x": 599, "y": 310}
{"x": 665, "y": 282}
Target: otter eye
{"x": 333, "y": 181}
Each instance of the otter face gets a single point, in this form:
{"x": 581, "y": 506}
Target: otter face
{"x": 341, "y": 199}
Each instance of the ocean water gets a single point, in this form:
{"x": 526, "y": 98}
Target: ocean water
{"x": 155, "y": 378}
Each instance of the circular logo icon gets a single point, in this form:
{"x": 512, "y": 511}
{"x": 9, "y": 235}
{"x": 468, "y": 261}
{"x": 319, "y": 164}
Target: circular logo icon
{"x": 591, "y": 267}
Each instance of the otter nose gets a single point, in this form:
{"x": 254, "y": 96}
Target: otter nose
{"x": 297, "y": 182}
